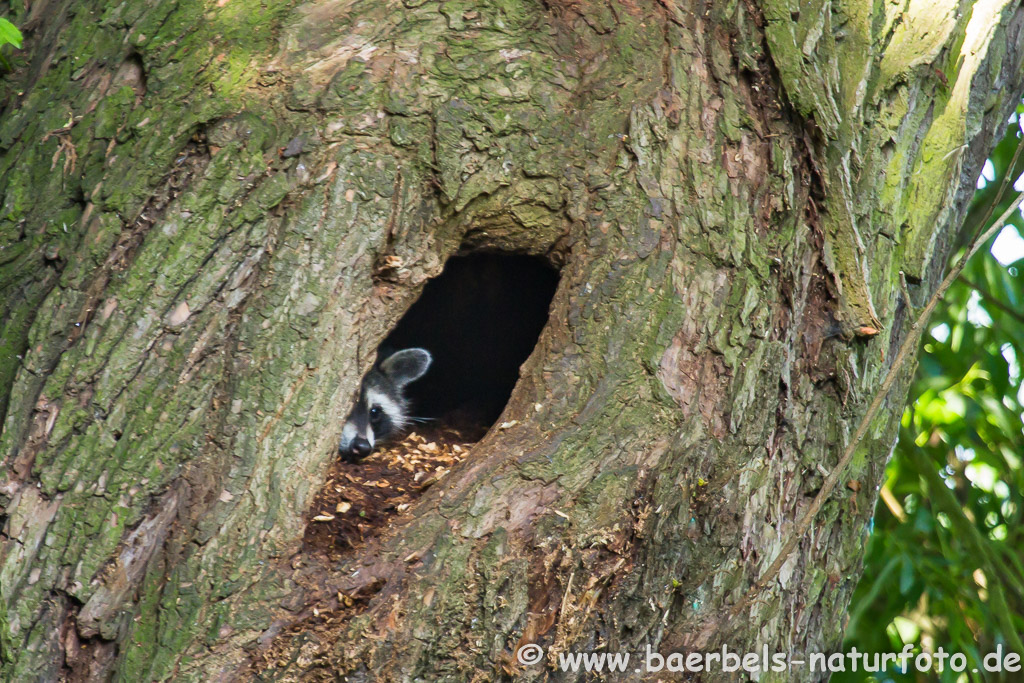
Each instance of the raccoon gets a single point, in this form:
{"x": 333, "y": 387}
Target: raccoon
{"x": 381, "y": 410}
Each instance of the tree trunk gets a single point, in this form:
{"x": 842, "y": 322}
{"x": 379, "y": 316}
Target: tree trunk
{"x": 213, "y": 214}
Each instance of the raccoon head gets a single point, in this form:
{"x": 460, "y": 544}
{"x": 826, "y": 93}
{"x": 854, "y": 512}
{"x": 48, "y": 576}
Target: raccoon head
{"x": 382, "y": 409}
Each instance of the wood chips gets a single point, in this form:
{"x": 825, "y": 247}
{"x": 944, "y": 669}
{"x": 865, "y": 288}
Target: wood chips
{"x": 359, "y": 499}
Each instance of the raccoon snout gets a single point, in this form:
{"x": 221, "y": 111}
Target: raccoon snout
{"x": 360, "y": 447}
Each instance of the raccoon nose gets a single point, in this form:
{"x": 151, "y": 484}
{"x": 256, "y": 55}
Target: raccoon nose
{"x": 360, "y": 447}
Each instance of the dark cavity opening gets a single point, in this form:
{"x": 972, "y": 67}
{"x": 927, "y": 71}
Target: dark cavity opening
{"x": 480, "y": 319}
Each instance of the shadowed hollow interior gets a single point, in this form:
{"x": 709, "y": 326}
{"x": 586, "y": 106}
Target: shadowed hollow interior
{"x": 480, "y": 319}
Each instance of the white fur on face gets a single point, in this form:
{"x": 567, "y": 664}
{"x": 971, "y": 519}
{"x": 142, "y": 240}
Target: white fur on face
{"x": 392, "y": 409}
{"x": 348, "y": 435}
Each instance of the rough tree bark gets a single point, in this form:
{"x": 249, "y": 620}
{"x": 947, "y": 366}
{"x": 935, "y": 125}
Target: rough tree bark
{"x": 213, "y": 212}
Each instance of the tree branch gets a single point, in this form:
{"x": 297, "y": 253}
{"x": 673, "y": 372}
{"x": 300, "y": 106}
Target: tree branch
{"x": 988, "y": 296}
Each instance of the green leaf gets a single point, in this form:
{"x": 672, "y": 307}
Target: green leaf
{"x": 9, "y": 33}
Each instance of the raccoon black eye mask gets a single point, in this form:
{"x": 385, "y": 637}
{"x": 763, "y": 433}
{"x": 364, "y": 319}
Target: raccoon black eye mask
{"x": 381, "y": 411}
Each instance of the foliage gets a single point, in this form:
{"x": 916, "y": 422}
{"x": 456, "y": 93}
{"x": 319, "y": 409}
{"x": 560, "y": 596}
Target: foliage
{"x": 945, "y": 564}
{"x": 9, "y": 35}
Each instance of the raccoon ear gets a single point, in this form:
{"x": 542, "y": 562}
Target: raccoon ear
{"x": 406, "y": 366}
